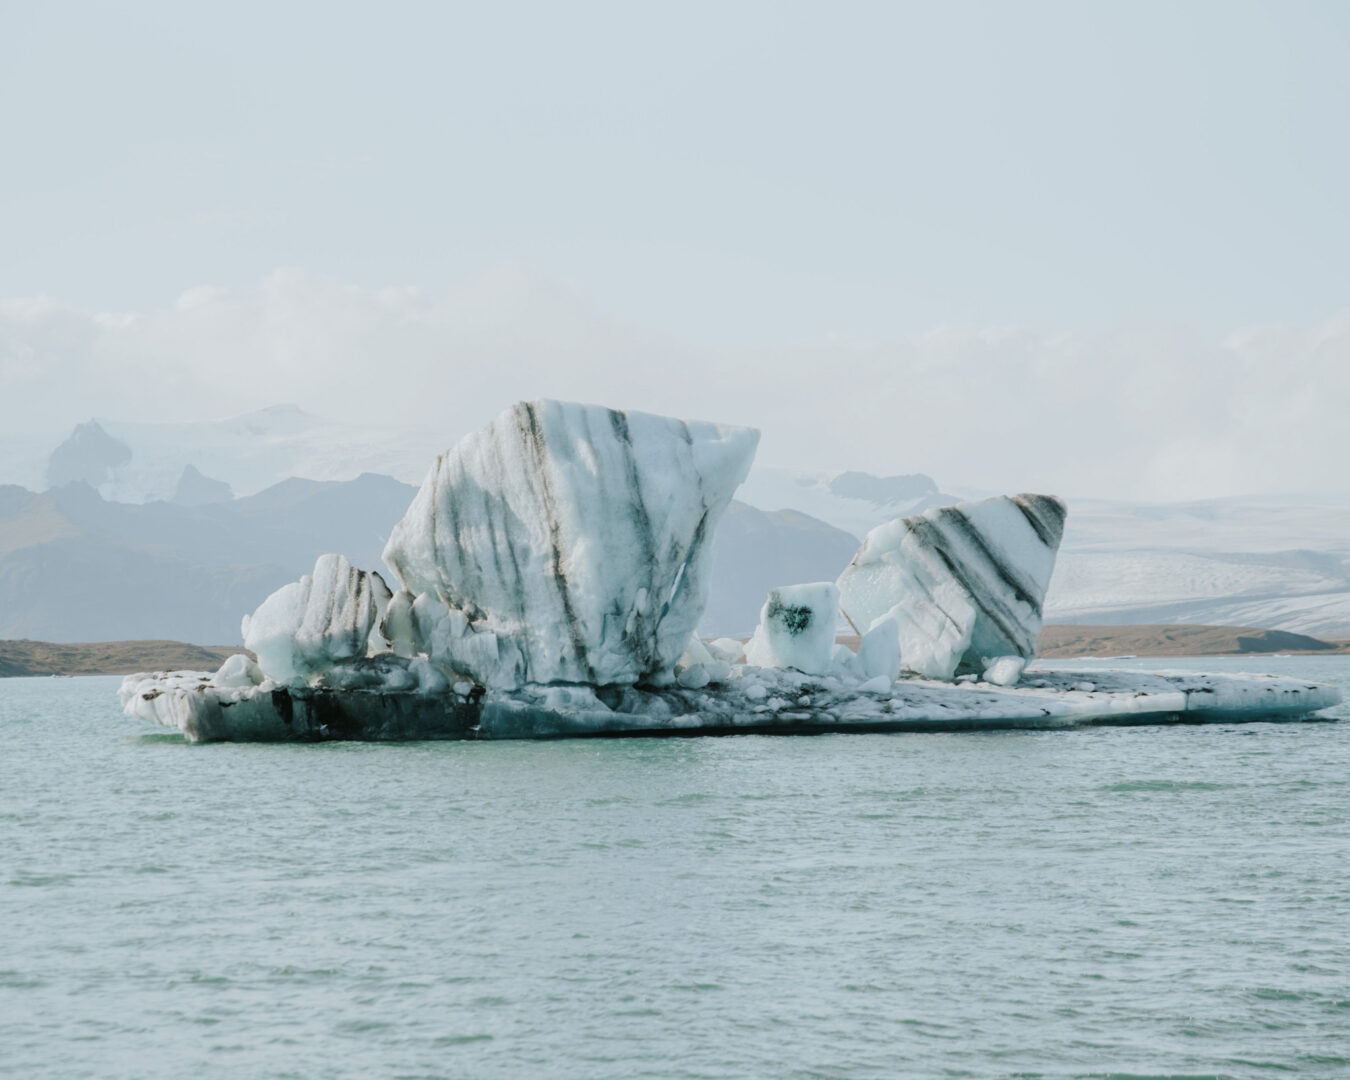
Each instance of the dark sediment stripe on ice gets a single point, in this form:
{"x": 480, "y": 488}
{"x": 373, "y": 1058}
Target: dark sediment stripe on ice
{"x": 1037, "y": 509}
{"x": 1007, "y": 623}
{"x": 646, "y": 535}
{"x": 1005, "y": 572}
{"x": 533, "y": 436}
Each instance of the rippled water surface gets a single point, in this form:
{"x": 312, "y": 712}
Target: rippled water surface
{"x": 1114, "y": 901}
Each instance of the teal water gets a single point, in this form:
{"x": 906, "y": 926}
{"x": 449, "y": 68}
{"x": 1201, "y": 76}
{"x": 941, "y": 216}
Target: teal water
{"x": 1138, "y": 902}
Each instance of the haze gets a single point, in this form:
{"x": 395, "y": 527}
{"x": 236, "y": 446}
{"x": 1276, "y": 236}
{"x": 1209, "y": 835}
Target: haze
{"x": 1049, "y": 247}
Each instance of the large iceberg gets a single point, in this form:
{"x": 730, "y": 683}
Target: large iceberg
{"x": 962, "y": 584}
{"x": 552, "y": 569}
{"x": 573, "y": 539}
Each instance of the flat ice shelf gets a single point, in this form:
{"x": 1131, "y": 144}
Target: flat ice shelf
{"x": 752, "y": 700}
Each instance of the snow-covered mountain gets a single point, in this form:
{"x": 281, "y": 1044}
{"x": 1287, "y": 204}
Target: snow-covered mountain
{"x": 137, "y": 462}
{"x": 852, "y": 501}
{"x": 1280, "y": 562}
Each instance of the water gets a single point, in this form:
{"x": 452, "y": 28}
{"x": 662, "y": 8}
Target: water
{"x": 1114, "y": 901}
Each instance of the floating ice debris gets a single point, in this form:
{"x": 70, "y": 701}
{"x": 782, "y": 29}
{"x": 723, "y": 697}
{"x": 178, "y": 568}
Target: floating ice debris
{"x": 879, "y": 650}
{"x": 578, "y": 537}
{"x": 237, "y": 671}
{"x": 796, "y": 628}
{"x": 964, "y": 583}
{"x": 1005, "y": 670}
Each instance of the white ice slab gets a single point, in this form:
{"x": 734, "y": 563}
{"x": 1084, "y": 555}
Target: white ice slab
{"x": 388, "y": 697}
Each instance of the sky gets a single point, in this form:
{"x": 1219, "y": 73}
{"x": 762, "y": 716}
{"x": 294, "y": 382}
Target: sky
{"x": 1091, "y": 248}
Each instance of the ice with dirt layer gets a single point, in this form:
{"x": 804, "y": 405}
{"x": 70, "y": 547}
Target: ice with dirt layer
{"x": 796, "y": 628}
{"x": 386, "y": 697}
{"x": 572, "y": 540}
{"x": 327, "y": 617}
{"x": 963, "y": 584}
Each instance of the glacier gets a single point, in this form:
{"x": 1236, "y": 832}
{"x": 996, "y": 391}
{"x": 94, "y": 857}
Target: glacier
{"x": 552, "y": 568}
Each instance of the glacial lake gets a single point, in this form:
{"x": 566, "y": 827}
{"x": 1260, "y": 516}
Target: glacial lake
{"x": 1141, "y": 902}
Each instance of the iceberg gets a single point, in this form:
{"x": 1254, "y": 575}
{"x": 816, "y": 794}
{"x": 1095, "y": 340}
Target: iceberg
{"x": 577, "y": 536}
{"x": 963, "y": 585}
{"x": 552, "y": 568}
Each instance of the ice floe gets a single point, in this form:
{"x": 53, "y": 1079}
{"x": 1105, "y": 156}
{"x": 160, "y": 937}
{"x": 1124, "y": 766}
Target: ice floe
{"x": 391, "y": 703}
{"x": 552, "y": 569}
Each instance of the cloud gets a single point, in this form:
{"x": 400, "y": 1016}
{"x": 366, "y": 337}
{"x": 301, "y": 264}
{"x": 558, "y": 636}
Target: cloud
{"x": 1154, "y": 412}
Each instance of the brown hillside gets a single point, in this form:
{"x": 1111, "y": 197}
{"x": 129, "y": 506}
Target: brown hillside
{"x": 24, "y": 657}
{"x": 1063, "y": 642}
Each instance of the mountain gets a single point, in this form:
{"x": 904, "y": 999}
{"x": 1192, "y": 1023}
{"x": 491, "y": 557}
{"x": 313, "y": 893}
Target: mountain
{"x": 755, "y": 551}
{"x": 1279, "y": 562}
{"x": 146, "y": 461}
{"x": 76, "y": 567}
{"x": 196, "y": 489}
{"x": 852, "y": 501}
{"x": 89, "y": 455}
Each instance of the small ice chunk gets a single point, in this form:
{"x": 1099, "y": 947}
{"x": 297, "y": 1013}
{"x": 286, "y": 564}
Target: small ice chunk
{"x": 844, "y": 664}
{"x": 696, "y": 654}
{"x": 694, "y": 677}
{"x": 878, "y": 684}
{"x": 728, "y": 649}
{"x": 1004, "y": 670}
{"x": 237, "y": 671}
{"x": 463, "y": 688}
{"x": 1084, "y": 687}
{"x": 879, "y": 649}
{"x": 796, "y": 628}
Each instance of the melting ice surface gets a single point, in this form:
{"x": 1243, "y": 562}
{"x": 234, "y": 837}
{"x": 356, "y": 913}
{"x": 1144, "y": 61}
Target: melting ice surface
{"x": 552, "y": 568}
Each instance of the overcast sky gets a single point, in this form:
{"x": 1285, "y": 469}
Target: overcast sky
{"x": 1070, "y": 246}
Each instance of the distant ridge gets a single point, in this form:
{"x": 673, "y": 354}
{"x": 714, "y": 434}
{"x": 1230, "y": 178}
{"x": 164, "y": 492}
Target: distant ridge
{"x": 20, "y": 658}
{"x": 1168, "y": 639}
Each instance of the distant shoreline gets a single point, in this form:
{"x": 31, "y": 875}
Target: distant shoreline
{"x": 38, "y": 658}
{"x": 24, "y": 658}
{"x": 1066, "y": 642}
